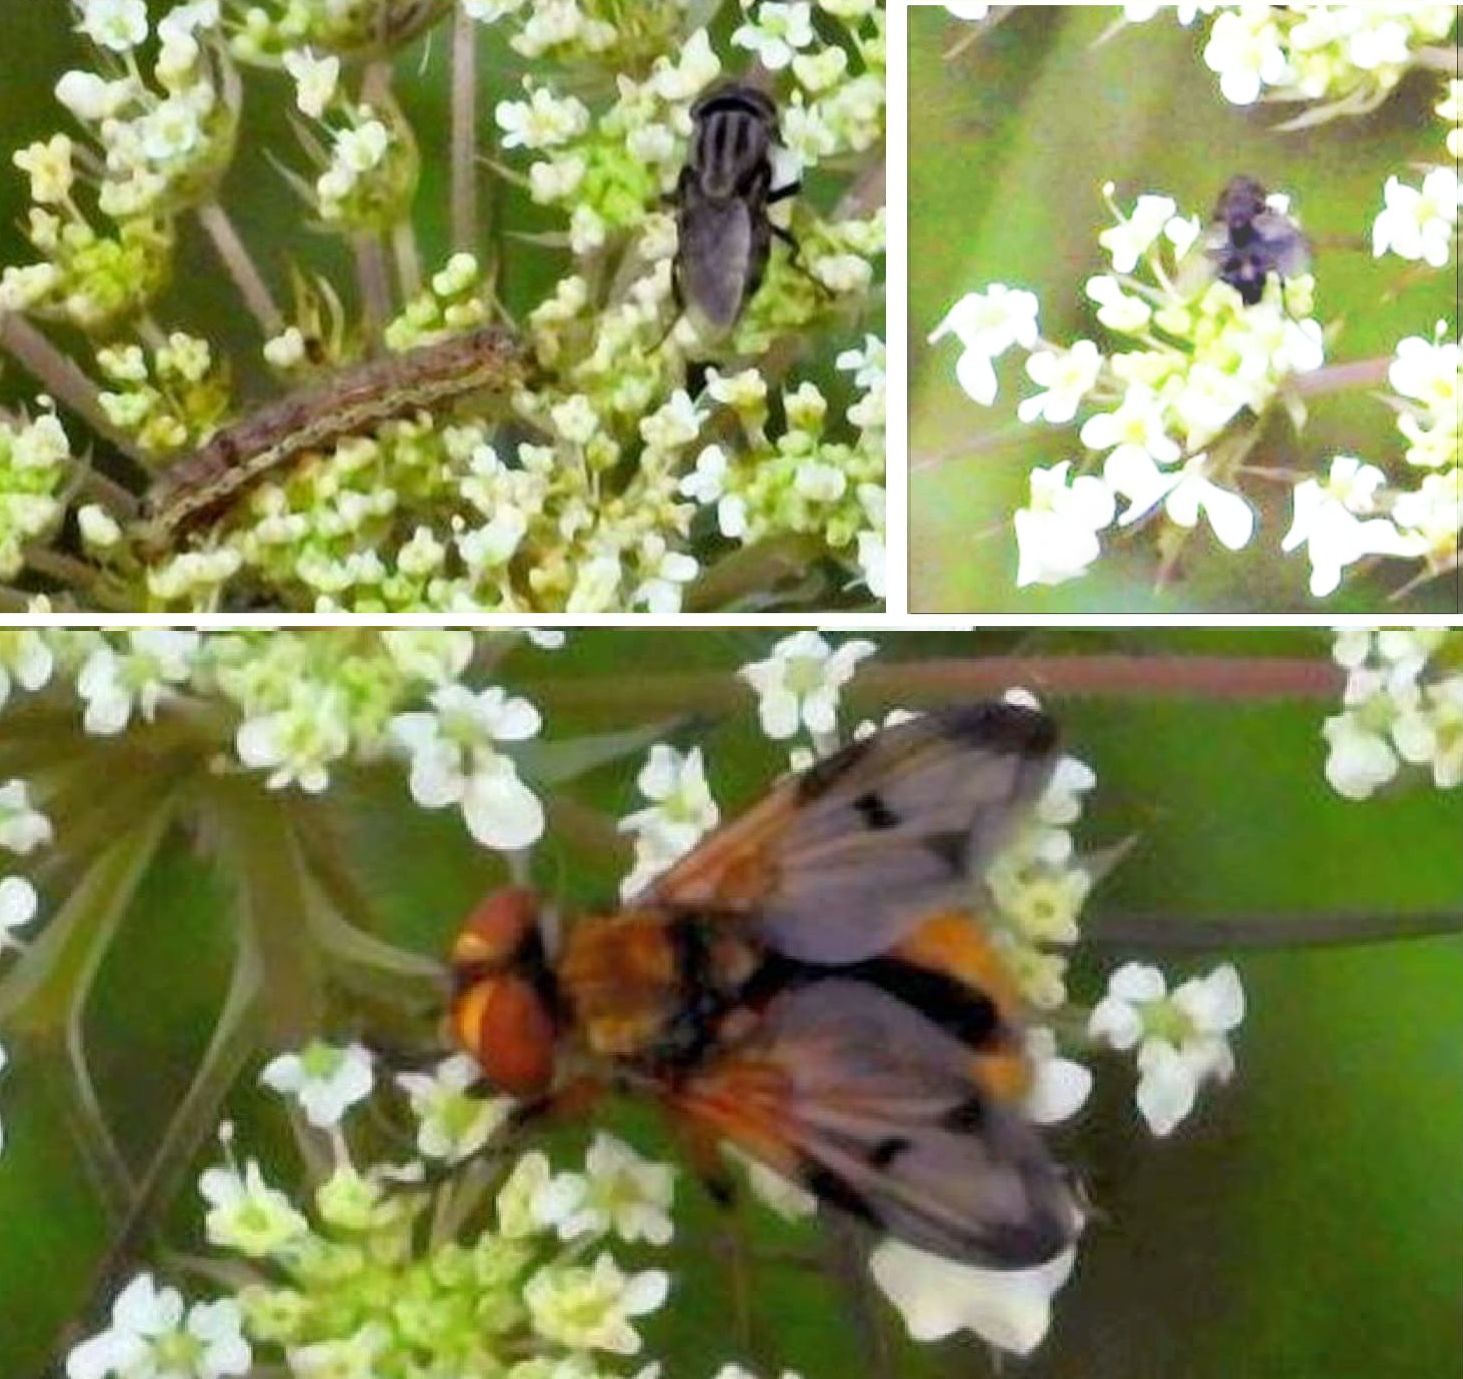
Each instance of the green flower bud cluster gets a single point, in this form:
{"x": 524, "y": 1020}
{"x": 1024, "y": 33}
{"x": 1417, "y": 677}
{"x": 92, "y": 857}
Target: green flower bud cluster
{"x": 170, "y": 402}
{"x": 267, "y": 29}
{"x": 35, "y": 462}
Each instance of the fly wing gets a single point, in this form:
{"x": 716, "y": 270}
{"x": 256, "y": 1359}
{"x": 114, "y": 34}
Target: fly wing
{"x": 859, "y": 1097}
{"x": 841, "y": 862}
{"x": 1288, "y": 248}
{"x": 715, "y": 256}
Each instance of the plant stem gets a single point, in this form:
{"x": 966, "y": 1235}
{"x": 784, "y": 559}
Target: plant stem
{"x": 1439, "y": 59}
{"x": 374, "y": 282}
{"x": 73, "y": 573}
{"x": 464, "y": 132}
{"x": 1169, "y": 933}
{"x": 1344, "y": 378}
{"x": 240, "y": 265}
{"x": 867, "y": 193}
{"x": 60, "y": 377}
{"x": 408, "y": 259}
{"x": 844, "y": 1253}
{"x": 112, "y": 495}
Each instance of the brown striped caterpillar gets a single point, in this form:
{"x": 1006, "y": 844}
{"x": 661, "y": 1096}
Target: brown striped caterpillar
{"x": 200, "y": 487}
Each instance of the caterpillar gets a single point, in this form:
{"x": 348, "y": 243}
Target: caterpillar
{"x": 204, "y": 484}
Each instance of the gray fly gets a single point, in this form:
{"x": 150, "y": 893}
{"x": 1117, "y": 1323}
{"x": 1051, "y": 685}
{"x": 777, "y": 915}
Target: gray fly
{"x": 722, "y": 200}
{"x": 1249, "y": 240}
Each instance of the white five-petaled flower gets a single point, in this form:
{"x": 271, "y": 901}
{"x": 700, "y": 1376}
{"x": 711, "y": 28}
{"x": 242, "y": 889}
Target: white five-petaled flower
{"x": 455, "y": 760}
{"x": 153, "y": 1336}
{"x": 1131, "y": 238}
{"x": 1056, "y": 535}
{"x": 1420, "y": 223}
{"x": 1011, "y": 1309}
{"x": 117, "y": 25}
{"x": 297, "y": 744}
{"x": 798, "y": 685}
{"x": 535, "y": 1199}
{"x": 589, "y": 1308}
{"x": 245, "y": 1214}
{"x": 1067, "y": 375}
{"x": 327, "y": 1081}
{"x": 115, "y": 684}
{"x": 680, "y": 813}
{"x": 453, "y": 1121}
{"x": 316, "y": 79}
{"x": 1186, "y": 494}
{"x": 23, "y": 828}
{"x": 987, "y": 324}
{"x": 1328, "y": 522}
{"x": 1137, "y": 438}
{"x": 626, "y": 1194}
{"x": 1182, "y": 1038}
{"x": 1246, "y": 52}
{"x": 778, "y": 33}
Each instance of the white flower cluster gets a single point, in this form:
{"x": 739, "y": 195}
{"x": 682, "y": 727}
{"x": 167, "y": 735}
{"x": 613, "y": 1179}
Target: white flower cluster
{"x": 308, "y": 703}
{"x": 166, "y": 402}
{"x": 161, "y": 147}
{"x": 591, "y": 512}
{"x": 1403, "y": 704}
{"x": 802, "y": 481}
{"x": 369, "y": 164}
{"x": 1039, "y": 884}
{"x": 517, "y": 1299}
{"x": 1193, "y": 361}
{"x": 1348, "y": 55}
{"x": 1357, "y": 512}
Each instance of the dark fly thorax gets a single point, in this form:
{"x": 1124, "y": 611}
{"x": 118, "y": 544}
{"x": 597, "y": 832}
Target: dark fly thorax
{"x": 731, "y": 149}
{"x": 1253, "y": 241}
{"x": 712, "y": 974}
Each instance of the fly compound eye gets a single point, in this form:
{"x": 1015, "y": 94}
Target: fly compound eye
{"x": 503, "y": 1023}
{"x": 497, "y": 931}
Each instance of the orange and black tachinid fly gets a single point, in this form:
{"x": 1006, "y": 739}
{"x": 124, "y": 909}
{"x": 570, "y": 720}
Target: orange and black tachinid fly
{"x": 807, "y": 986}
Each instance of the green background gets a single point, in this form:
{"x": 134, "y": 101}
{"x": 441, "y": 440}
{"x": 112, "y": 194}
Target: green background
{"x": 1306, "y": 1221}
{"x": 1010, "y": 144}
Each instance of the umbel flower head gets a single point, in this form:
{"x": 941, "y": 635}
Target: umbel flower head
{"x": 423, "y": 1231}
{"x": 1166, "y": 415}
{"x": 600, "y": 455}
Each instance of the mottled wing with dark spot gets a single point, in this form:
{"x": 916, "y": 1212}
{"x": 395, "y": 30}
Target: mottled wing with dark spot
{"x": 840, "y": 863}
{"x": 853, "y": 1093}
{"x": 715, "y": 259}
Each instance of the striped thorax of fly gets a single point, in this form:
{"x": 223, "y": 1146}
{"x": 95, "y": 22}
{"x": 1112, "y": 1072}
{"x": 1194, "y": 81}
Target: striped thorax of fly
{"x": 722, "y": 200}
{"x": 203, "y": 485}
